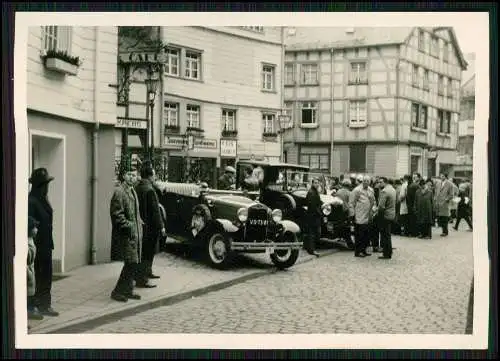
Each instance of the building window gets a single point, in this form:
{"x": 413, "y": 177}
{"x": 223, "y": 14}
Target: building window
{"x": 171, "y": 115}
{"x": 309, "y": 74}
{"x": 358, "y": 74}
{"x": 269, "y": 121}
{"x": 193, "y": 65}
{"x": 56, "y": 38}
{"x": 414, "y": 163}
{"x": 309, "y": 113}
{"x": 449, "y": 88}
{"x": 414, "y": 76}
{"x": 426, "y": 79}
{"x": 435, "y": 47}
{"x": 421, "y": 40}
{"x": 419, "y": 114}
{"x": 268, "y": 77}
{"x": 317, "y": 158}
{"x": 444, "y": 119}
{"x": 228, "y": 120}
{"x": 441, "y": 85}
{"x": 172, "y": 62}
{"x": 446, "y": 52}
{"x": 289, "y": 74}
{"x": 193, "y": 116}
{"x": 258, "y": 29}
{"x": 357, "y": 158}
{"x": 357, "y": 113}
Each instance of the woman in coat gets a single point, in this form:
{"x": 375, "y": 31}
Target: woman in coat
{"x": 423, "y": 209}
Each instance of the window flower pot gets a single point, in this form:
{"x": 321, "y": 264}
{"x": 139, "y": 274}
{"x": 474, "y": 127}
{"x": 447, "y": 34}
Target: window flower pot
{"x": 229, "y": 133}
{"x": 61, "y": 66}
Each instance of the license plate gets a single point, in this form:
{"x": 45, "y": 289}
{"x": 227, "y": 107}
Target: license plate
{"x": 258, "y": 222}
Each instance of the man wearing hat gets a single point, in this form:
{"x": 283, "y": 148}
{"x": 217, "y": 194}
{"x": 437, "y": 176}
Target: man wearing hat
{"x": 226, "y": 181}
{"x": 153, "y": 227}
{"x": 40, "y": 209}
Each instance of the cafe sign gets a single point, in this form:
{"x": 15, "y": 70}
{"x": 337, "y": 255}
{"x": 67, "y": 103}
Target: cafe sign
{"x": 228, "y": 148}
{"x": 199, "y": 143}
{"x": 131, "y": 123}
{"x": 142, "y": 57}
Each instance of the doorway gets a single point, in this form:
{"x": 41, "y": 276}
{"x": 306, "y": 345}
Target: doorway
{"x": 48, "y": 151}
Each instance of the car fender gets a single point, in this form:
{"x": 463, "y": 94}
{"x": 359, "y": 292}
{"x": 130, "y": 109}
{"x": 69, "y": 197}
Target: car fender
{"x": 289, "y": 226}
{"x": 227, "y": 225}
{"x": 291, "y": 200}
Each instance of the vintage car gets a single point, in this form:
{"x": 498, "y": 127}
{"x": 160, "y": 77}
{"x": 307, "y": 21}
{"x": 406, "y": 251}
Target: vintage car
{"x": 284, "y": 186}
{"x": 221, "y": 224}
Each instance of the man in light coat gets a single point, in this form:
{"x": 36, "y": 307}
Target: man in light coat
{"x": 443, "y": 197}
{"x": 387, "y": 213}
{"x": 127, "y": 232}
{"x": 403, "y": 207}
{"x": 361, "y": 204}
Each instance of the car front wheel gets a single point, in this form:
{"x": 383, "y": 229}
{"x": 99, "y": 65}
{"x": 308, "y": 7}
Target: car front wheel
{"x": 285, "y": 258}
{"x": 218, "y": 252}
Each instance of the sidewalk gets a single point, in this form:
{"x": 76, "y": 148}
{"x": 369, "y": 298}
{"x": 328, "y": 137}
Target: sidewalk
{"x": 84, "y": 295}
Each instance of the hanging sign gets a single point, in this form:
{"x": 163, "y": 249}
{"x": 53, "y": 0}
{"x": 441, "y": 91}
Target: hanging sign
{"x": 228, "y": 148}
{"x": 131, "y": 123}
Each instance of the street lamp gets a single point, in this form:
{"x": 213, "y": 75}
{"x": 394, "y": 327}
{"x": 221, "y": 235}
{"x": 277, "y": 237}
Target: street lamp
{"x": 284, "y": 122}
{"x": 152, "y": 81}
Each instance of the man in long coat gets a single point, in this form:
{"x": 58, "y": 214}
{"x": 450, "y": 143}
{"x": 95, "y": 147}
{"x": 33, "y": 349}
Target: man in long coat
{"x": 153, "y": 228}
{"x": 387, "y": 213}
{"x": 361, "y": 205}
{"x": 443, "y": 197}
{"x": 40, "y": 209}
{"x": 313, "y": 218}
{"x": 423, "y": 210}
{"x": 410, "y": 201}
{"x": 127, "y": 233}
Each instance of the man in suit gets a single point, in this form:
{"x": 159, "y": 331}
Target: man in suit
{"x": 387, "y": 213}
{"x": 41, "y": 210}
{"x": 361, "y": 203}
{"x": 410, "y": 201}
{"x": 127, "y": 232}
{"x": 443, "y": 197}
{"x": 153, "y": 227}
{"x": 313, "y": 218}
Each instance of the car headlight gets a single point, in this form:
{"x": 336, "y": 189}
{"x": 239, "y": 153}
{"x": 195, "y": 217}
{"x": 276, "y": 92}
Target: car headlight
{"x": 277, "y": 215}
{"x": 327, "y": 209}
{"x": 243, "y": 214}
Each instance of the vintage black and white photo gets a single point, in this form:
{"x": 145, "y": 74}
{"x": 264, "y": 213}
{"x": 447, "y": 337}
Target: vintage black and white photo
{"x": 319, "y": 179}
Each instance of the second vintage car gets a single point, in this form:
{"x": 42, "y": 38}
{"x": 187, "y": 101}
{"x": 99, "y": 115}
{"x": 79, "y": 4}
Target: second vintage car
{"x": 221, "y": 225}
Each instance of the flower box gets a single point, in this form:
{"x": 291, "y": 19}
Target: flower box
{"x": 61, "y": 66}
{"x": 229, "y": 133}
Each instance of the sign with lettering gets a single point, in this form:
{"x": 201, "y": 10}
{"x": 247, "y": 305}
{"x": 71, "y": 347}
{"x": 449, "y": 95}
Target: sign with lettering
{"x": 141, "y": 57}
{"x": 228, "y": 148}
{"x": 131, "y": 123}
{"x": 176, "y": 141}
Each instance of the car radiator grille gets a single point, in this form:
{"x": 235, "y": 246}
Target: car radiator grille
{"x": 257, "y": 224}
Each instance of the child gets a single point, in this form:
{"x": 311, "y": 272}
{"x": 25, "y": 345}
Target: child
{"x": 33, "y": 313}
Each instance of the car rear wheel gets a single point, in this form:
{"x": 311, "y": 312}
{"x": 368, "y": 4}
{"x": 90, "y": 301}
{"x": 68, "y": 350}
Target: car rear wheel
{"x": 218, "y": 252}
{"x": 285, "y": 258}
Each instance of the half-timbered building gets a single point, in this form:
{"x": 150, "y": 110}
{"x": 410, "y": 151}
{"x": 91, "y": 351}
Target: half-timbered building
{"x": 381, "y": 101}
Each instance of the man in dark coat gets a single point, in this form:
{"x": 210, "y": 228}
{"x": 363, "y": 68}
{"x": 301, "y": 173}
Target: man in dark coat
{"x": 127, "y": 233}
{"x": 153, "y": 227}
{"x": 423, "y": 209}
{"x": 410, "y": 202}
{"x": 313, "y": 218}
{"x": 387, "y": 213}
{"x": 40, "y": 209}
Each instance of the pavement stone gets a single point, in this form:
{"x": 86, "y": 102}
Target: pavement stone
{"x": 424, "y": 289}
{"x": 85, "y": 294}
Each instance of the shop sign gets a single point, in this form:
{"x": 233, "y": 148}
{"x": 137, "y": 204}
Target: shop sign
{"x": 131, "y": 123}
{"x": 228, "y": 148}
{"x": 141, "y": 57}
{"x": 179, "y": 142}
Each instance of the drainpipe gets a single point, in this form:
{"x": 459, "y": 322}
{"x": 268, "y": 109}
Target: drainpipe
{"x": 396, "y": 132}
{"x": 282, "y": 91}
{"x": 332, "y": 118}
{"x": 95, "y": 150}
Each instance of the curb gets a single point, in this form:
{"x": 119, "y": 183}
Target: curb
{"x": 78, "y": 326}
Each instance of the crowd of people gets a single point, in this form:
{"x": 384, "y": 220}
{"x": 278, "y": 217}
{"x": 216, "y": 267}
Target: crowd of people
{"x": 409, "y": 206}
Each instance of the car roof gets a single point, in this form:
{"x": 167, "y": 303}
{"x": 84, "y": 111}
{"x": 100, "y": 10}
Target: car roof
{"x": 264, "y": 163}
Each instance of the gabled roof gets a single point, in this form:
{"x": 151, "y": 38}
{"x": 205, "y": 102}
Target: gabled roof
{"x": 454, "y": 41}
{"x": 339, "y": 37}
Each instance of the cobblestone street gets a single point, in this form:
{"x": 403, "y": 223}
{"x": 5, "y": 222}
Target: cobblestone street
{"x": 423, "y": 289}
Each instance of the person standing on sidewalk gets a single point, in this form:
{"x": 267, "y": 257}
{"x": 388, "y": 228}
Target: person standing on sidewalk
{"x": 463, "y": 210}
{"x": 410, "y": 202}
{"x": 33, "y": 312}
{"x": 127, "y": 233}
{"x": 40, "y": 209}
{"x": 313, "y": 218}
{"x": 361, "y": 204}
{"x": 344, "y": 194}
{"x": 387, "y": 213}
{"x": 423, "y": 209}
{"x": 444, "y": 196}
{"x": 403, "y": 206}
{"x": 153, "y": 228}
